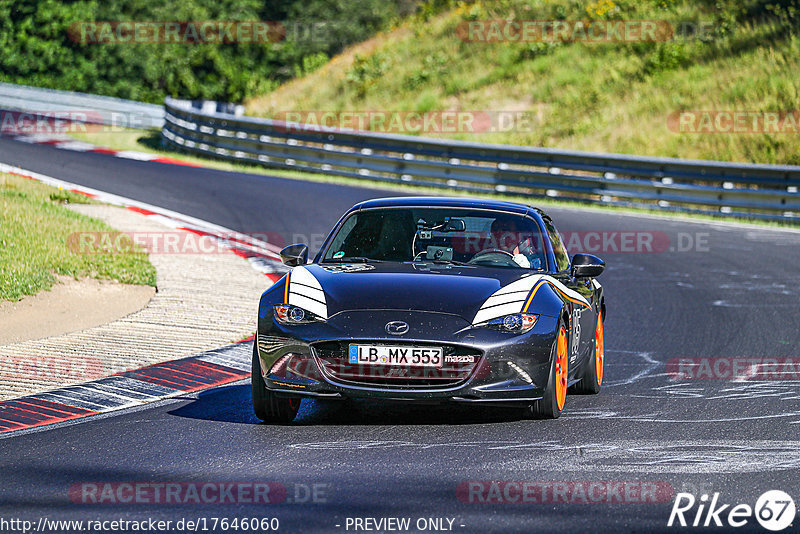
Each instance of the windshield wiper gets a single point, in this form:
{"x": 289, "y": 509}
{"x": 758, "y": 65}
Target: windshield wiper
{"x": 445, "y": 262}
{"x": 352, "y": 259}
{"x": 454, "y": 262}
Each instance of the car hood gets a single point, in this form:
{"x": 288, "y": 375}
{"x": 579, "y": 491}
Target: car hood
{"x": 403, "y": 286}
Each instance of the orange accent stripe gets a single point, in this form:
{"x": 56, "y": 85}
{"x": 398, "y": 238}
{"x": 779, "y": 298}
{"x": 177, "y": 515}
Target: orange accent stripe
{"x": 533, "y": 294}
{"x": 539, "y": 284}
{"x": 286, "y": 290}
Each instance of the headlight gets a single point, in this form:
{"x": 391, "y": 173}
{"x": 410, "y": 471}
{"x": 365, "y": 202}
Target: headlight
{"x": 517, "y": 323}
{"x": 290, "y": 315}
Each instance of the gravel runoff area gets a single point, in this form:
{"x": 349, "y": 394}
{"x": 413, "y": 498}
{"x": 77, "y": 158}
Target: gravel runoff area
{"x": 203, "y": 301}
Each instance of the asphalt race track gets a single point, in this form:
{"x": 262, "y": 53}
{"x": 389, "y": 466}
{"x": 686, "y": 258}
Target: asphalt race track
{"x": 730, "y": 296}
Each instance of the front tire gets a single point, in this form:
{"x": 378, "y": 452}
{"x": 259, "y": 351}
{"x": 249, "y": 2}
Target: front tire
{"x": 555, "y": 394}
{"x": 268, "y": 407}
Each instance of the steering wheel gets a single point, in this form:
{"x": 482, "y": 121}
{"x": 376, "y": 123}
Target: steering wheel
{"x": 495, "y": 256}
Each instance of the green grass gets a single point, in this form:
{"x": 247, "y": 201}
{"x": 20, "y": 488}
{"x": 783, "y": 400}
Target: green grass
{"x": 602, "y": 97}
{"x": 34, "y": 231}
{"x": 150, "y": 141}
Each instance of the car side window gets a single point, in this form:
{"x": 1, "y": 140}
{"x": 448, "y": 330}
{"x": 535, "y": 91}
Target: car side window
{"x": 560, "y": 252}
{"x": 344, "y": 236}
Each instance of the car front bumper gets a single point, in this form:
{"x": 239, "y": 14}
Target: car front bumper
{"x": 508, "y": 368}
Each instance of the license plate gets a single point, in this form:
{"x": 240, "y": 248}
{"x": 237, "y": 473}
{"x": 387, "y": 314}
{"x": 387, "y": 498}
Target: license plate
{"x": 396, "y": 355}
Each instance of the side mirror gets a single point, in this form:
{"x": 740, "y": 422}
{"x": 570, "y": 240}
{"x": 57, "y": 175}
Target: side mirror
{"x": 587, "y": 266}
{"x": 295, "y": 255}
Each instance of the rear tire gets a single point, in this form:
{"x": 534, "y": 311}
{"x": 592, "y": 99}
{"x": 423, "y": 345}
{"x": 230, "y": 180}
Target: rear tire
{"x": 555, "y": 393}
{"x": 592, "y": 375}
{"x": 268, "y": 407}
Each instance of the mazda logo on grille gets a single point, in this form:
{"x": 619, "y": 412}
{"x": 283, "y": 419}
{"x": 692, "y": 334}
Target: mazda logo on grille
{"x": 396, "y": 328}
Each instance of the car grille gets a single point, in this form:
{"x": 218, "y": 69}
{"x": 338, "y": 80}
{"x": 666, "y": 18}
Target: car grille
{"x": 333, "y": 357}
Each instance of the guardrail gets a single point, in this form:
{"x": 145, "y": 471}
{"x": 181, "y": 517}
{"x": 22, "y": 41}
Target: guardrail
{"x": 80, "y": 107}
{"x": 752, "y": 190}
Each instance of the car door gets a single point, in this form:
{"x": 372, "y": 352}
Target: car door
{"x": 582, "y": 320}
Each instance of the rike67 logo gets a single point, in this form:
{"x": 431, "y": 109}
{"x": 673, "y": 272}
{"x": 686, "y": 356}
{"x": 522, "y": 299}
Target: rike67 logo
{"x": 774, "y": 510}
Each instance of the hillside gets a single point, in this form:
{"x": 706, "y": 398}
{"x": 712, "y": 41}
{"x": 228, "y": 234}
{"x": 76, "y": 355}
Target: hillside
{"x": 600, "y": 96}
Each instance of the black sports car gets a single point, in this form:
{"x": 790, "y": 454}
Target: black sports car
{"x": 432, "y": 299}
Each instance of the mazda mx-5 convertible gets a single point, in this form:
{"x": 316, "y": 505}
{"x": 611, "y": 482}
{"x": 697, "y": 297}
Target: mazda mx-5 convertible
{"x": 434, "y": 300}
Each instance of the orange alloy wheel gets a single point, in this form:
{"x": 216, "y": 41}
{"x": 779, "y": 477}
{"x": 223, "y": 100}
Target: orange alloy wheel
{"x": 599, "y": 348}
{"x": 561, "y": 369}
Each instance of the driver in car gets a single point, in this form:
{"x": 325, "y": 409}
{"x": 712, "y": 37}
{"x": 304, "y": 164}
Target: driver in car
{"x": 509, "y": 236}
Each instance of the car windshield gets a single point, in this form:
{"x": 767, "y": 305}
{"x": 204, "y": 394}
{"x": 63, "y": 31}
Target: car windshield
{"x": 446, "y": 235}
